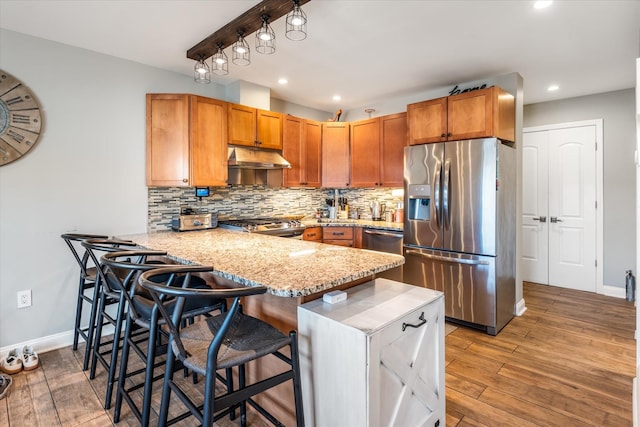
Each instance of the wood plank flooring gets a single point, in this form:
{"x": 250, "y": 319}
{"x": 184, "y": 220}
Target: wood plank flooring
{"x": 568, "y": 361}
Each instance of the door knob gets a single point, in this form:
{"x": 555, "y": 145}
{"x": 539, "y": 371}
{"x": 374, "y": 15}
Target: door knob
{"x": 554, "y": 219}
{"x": 540, "y": 218}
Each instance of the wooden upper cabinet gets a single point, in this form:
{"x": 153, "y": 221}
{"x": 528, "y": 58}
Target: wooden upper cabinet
{"x": 269, "y": 129}
{"x": 377, "y": 151}
{"x": 480, "y": 113}
{"x": 301, "y": 146}
{"x": 242, "y": 124}
{"x": 427, "y": 121}
{"x": 365, "y": 153}
{"x": 208, "y": 159}
{"x": 292, "y": 128}
{"x": 335, "y": 155}
{"x": 393, "y": 136}
{"x": 312, "y": 153}
{"x": 254, "y": 127}
{"x": 186, "y": 141}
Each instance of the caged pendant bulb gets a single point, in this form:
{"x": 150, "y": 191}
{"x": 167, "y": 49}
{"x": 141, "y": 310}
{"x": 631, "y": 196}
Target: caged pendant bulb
{"x": 201, "y": 72}
{"x": 296, "y": 23}
{"x": 265, "y": 38}
{"x": 220, "y": 62}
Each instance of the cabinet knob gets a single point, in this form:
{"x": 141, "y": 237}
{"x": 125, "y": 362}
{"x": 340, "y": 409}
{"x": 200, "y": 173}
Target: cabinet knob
{"x": 185, "y": 180}
{"x": 443, "y": 135}
{"x": 449, "y": 134}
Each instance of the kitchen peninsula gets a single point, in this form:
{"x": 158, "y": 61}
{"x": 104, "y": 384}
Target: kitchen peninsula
{"x": 294, "y": 271}
{"x": 287, "y": 267}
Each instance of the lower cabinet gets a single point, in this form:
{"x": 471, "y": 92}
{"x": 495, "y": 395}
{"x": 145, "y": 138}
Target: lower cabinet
{"x": 313, "y": 234}
{"x": 375, "y": 359}
{"x": 342, "y": 236}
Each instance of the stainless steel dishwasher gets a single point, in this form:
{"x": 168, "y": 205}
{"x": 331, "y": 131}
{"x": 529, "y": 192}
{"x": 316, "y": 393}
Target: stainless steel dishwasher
{"x": 384, "y": 241}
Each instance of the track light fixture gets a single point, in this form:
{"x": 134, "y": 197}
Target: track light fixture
{"x": 253, "y": 20}
{"x": 240, "y": 51}
{"x": 296, "y": 23}
{"x": 201, "y": 71}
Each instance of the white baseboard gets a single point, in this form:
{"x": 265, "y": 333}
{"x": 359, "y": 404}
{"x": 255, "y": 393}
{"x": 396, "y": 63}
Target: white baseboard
{"x": 520, "y": 308}
{"x": 49, "y": 343}
{"x": 614, "y": 291}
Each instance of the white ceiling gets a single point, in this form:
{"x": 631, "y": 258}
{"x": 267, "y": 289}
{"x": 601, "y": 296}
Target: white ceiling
{"x": 366, "y": 51}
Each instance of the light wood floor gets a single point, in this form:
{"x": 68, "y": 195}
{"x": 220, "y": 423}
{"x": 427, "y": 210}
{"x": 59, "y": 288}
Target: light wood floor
{"x": 568, "y": 361}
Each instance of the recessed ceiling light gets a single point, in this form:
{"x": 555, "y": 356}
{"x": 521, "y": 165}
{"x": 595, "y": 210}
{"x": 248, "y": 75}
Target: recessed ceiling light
{"x": 553, "y": 88}
{"x": 337, "y": 97}
{"x": 542, "y": 4}
{"x": 283, "y": 81}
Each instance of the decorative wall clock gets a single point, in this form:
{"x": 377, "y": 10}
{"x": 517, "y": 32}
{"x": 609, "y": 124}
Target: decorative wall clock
{"x": 20, "y": 119}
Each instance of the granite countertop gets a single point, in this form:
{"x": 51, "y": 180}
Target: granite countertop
{"x": 287, "y": 267}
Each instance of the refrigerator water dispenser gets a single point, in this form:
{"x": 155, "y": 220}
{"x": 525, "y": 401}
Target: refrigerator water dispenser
{"x": 419, "y": 196}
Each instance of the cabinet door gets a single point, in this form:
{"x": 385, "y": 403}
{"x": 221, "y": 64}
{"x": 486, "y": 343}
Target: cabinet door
{"x": 292, "y": 130}
{"x": 313, "y": 234}
{"x": 365, "y": 153}
{"x": 407, "y": 370}
{"x": 393, "y": 136}
{"x": 167, "y": 140}
{"x": 269, "y": 129}
{"x": 471, "y": 114}
{"x": 312, "y": 153}
{"x": 208, "y": 142}
{"x": 335, "y": 155}
{"x": 427, "y": 121}
{"x": 242, "y": 125}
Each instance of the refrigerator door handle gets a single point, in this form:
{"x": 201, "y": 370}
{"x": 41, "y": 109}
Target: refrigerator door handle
{"x": 436, "y": 187}
{"x": 447, "y": 259}
{"x": 446, "y": 195}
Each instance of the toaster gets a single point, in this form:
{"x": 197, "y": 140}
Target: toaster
{"x": 194, "y": 222}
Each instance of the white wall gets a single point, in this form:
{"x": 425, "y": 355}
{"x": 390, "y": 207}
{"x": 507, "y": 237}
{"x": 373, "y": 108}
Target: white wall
{"x": 617, "y": 109}
{"x": 85, "y": 174}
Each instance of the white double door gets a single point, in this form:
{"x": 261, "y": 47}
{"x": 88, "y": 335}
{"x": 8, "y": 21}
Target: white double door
{"x": 559, "y": 217}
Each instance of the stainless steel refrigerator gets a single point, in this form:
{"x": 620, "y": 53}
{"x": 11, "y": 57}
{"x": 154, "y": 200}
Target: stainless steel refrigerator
{"x": 459, "y": 227}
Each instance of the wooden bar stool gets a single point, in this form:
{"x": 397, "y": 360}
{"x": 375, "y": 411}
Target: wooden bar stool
{"x": 87, "y": 291}
{"x": 106, "y": 351}
{"x": 223, "y": 341}
{"x": 140, "y": 317}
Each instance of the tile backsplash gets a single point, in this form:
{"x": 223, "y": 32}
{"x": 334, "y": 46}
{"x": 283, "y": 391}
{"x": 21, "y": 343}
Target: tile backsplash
{"x": 254, "y": 202}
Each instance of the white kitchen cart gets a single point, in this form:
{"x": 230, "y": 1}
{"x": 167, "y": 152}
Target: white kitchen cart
{"x": 375, "y": 359}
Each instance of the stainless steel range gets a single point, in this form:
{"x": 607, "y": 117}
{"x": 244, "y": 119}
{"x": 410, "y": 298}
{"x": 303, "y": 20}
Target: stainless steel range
{"x": 279, "y": 227}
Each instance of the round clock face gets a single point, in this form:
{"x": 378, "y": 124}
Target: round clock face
{"x": 20, "y": 120}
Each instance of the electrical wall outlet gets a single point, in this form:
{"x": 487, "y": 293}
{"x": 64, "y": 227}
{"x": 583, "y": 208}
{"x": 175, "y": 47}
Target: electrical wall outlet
{"x": 24, "y": 298}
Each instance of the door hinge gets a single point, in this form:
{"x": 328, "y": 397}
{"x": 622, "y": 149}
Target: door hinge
{"x": 595, "y": 263}
{"x": 596, "y": 203}
{"x": 596, "y": 146}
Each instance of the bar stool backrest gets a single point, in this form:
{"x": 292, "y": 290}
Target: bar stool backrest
{"x": 130, "y": 264}
{"x": 161, "y": 291}
{"x": 70, "y": 238}
{"x": 96, "y": 247}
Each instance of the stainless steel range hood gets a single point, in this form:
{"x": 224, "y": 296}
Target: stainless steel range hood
{"x": 255, "y": 158}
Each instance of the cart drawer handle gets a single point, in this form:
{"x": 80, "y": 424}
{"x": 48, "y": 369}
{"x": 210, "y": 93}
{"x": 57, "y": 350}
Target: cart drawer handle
{"x": 423, "y": 321}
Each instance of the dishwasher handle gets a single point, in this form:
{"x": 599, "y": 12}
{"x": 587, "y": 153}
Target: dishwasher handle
{"x": 383, "y": 233}
{"x": 448, "y": 259}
